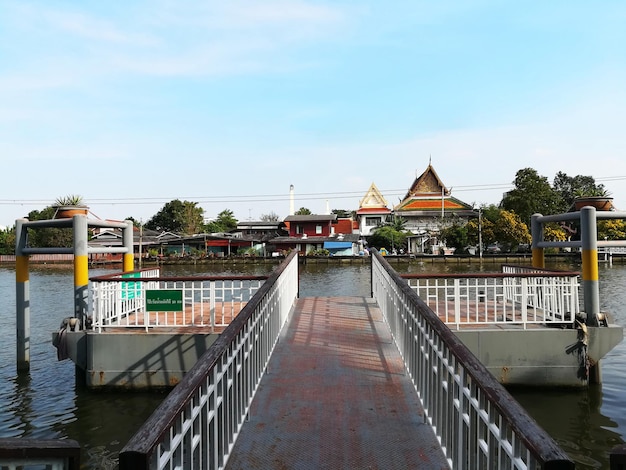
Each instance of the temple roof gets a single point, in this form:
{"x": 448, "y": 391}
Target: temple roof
{"x": 428, "y": 183}
{"x": 429, "y": 194}
{"x": 423, "y": 204}
{"x": 373, "y": 199}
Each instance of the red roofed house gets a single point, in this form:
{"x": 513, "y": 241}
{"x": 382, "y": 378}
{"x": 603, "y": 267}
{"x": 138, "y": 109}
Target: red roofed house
{"x": 308, "y": 233}
{"x": 429, "y": 207}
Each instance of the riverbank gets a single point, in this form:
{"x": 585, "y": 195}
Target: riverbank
{"x": 503, "y": 258}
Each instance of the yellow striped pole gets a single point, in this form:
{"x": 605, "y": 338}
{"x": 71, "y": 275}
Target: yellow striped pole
{"x": 22, "y": 298}
{"x": 536, "y": 230}
{"x": 589, "y": 241}
{"x": 81, "y": 268}
{"x": 129, "y": 256}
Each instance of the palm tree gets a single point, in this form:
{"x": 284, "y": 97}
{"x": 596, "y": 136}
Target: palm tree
{"x": 397, "y": 223}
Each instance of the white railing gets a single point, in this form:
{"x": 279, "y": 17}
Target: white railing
{"x": 113, "y": 298}
{"x": 197, "y": 424}
{"x": 120, "y": 300}
{"x": 515, "y": 297}
{"x": 477, "y": 422}
{"x": 553, "y": 293}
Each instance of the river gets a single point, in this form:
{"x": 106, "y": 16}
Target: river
{"x": 47, "y": 403}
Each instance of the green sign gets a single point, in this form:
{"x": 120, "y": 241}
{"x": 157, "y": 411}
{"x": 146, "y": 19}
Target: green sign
{"x": 130, "y": 289}
{"x": 167, "y": 300}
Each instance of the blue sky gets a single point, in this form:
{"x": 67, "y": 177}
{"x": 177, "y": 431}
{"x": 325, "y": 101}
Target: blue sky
{"x": 133, "y": 104}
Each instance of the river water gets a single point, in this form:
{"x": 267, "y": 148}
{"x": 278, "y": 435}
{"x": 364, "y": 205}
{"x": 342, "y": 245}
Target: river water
{"x": 47, "y": 402}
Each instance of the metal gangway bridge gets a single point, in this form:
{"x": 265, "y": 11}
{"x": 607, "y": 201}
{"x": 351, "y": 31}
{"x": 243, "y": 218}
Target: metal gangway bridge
{"x": 344, "y": 382}
{"x": 326, "y": 382}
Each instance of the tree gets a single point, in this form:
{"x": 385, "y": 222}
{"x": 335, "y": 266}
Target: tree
{"x": 225, "y": 222}
{"x": 49, "y": 237}
{"x": 488, "y": 216}
{"x": 456, "y": 236}
{"x": 178, "y": 217}
{"x": 343, "y": 213}
{"x": 303, "y": 211}
{"x": 568, "y": 188}
{"x": 270, "y": 217}
{"x": 7, "y": 241}
{"x": 532, "y": 194}
{"x": 387, "y": 237}
{"x": 136, "y": 223}
{"x": 612, "y": 229}
{"x": 554, "y": 232}
{"x": 193, "y": 218}
{"x": 510, "y": 230}
{"x": 397, "y": 223}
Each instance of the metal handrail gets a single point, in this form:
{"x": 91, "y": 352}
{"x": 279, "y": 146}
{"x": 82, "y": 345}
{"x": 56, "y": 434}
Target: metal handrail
{"x": 478, "y": 423}
{"x": 520, "y": 296}
{"x": 119, "y": 299}
{"x": 197, "y": 424}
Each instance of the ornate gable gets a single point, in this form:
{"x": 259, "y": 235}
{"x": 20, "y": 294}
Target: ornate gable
{"x": 373, "y": 199}
{"x": 427, "y": 184}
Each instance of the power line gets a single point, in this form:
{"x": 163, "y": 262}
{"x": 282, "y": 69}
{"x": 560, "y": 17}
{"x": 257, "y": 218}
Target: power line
{"x": 240, "y": 198}
{"x": 225, "y": 199}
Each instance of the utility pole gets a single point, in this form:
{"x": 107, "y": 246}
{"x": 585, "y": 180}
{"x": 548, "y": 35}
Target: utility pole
{"x": 140, "y": 243}
{"x": 480, "y": 233}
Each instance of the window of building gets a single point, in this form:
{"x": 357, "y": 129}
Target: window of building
{"x": 299, "y": 229}
{"x": 318, "y": 229}
{"x": 372, "y": 221}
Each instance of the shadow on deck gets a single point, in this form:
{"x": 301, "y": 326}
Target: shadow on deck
{"x": 336, "y": 396}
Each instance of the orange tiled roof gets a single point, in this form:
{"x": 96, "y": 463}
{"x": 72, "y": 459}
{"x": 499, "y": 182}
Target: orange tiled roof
{"x": 374, "y": 210}
{"x": 432, "y": 204}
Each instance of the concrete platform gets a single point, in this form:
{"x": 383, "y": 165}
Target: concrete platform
{"x": 336, "y": 396}
{"x": 133, "y": 358}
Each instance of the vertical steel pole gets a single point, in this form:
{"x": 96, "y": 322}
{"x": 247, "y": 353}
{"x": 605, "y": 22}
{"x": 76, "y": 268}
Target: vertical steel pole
{"x": 81, "y": 268}
{"x": 22, "y": 298}
{"x": 129, "y": 256}
{"x": 480, "y": 234}
{"x": 591, "y": 288}
{"x": 536, "y": 231}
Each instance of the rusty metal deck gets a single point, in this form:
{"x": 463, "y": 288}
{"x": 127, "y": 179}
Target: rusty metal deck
{"x": 195, "y": 319}
{"x": 336, "y": 397}
{"x": 192, "y": 320}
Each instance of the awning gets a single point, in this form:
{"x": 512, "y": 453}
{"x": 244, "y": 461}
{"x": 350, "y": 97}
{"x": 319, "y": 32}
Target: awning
{"x": 235, "y": 243}
{"x": 337, "y": 245}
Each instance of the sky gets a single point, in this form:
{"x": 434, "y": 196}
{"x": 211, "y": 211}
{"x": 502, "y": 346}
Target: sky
{"x": 227, "y": 104}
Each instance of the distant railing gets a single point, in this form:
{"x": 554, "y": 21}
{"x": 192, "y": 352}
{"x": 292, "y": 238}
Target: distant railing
{"x": 518, "y": 296}
{"x": 478, "y": 423}
{"x": 41, "y": 258}
{"x": 49, "y": 454}
{"x": 549, "y": 292}
{"x": 197, "y": 424}
{"x": 122, "y": 299}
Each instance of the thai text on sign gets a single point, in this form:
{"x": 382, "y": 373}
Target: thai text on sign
{"x": 167, "y": 300}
